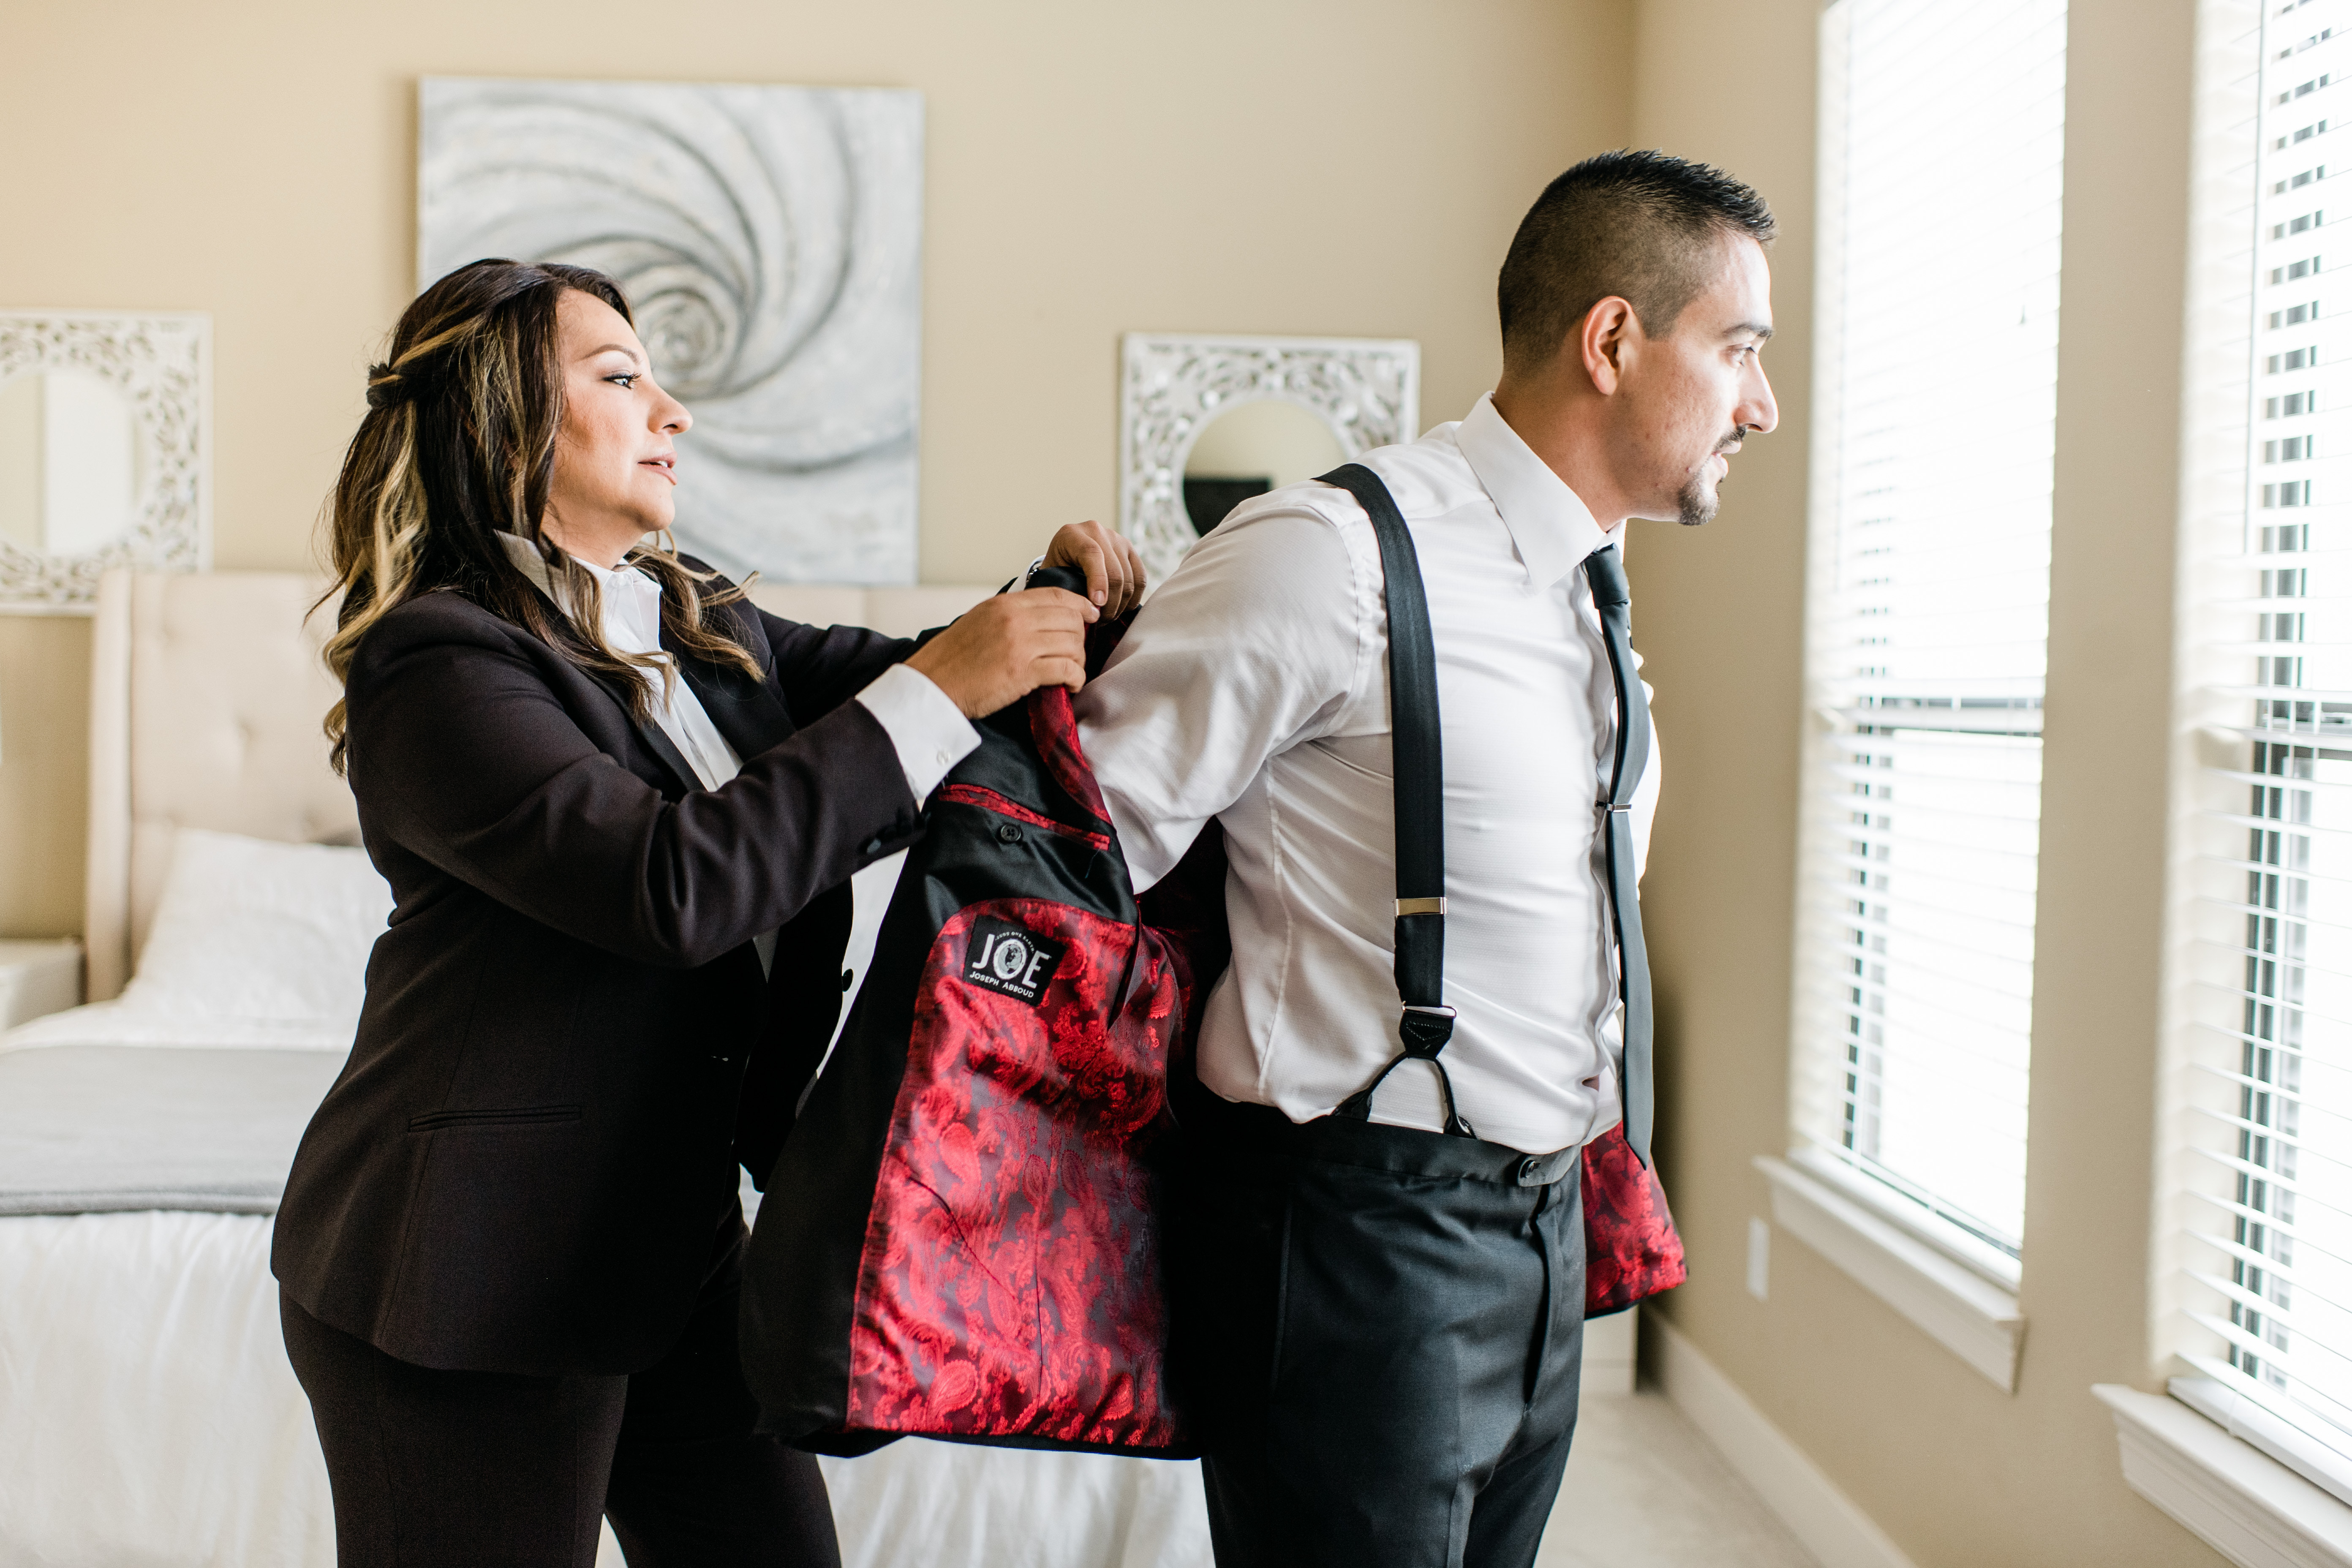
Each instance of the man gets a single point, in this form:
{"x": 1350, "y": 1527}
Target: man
{"x": 1380, "y": 1322}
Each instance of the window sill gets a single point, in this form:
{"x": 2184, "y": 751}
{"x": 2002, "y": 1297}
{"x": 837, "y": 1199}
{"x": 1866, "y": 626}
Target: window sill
{"x": 2245, "y": 1504}
{"x": 1957, "y": 1306}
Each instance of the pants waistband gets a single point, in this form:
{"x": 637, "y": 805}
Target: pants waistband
{"x": 1342, "y": 1139}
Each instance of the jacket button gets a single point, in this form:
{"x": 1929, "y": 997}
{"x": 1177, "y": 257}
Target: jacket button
{"x": 846, "y": 976}
{"x": 1006, "y": 833}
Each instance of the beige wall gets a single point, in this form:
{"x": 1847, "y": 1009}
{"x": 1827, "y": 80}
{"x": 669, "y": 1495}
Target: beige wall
{"x": 44, "y": 771}
{"x": 1957, "y": 1472}
{"x": 1346, "y": 167}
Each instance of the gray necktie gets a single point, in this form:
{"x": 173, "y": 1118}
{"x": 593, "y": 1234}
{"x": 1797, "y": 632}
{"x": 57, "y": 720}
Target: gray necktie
{"x": 1605, "y": 569}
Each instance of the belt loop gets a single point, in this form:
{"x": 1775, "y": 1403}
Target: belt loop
{"x": 1546, "y": 1170}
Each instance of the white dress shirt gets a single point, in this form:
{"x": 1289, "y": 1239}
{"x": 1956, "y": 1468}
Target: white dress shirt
{"x": 926, "y": 728}
{"x": 1253, "y": 688}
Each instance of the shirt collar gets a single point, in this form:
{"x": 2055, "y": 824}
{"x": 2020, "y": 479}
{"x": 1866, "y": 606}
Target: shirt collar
{"x": 632, "y": 600}
{"x": 1551, "y": 527}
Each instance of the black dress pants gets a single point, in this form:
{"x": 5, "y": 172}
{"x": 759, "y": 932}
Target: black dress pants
{"x": 1377, "y": 1331}
{"x": 484, "y": 1470}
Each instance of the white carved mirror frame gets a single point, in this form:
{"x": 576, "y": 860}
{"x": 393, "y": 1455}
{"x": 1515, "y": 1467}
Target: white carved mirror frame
{"x": 161, "y": 366}
{"x": 1368, "y": 389}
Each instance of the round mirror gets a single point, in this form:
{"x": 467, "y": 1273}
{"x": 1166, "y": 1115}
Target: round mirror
{"x": 1251, "y": 449}
{"x": 69, "y": 462}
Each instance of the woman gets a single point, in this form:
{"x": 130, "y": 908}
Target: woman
{"x": 598, "y": 781}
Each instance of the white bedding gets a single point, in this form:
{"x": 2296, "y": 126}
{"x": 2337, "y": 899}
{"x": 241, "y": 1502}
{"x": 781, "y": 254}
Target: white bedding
{"x": 147, "y": 1414}
{"x": 127, "y": 1022}
{"x": 148, "y": 1418}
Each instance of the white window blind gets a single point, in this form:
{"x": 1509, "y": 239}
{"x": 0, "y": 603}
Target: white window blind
{"x": 1942, "y": 135}
{"x": 2264, "y": 1195}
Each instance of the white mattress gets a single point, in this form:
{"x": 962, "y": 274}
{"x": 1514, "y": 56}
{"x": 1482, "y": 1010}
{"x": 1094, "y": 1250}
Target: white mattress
{"x": 147, "y": 1414}
{"x": 135, "y": 1021}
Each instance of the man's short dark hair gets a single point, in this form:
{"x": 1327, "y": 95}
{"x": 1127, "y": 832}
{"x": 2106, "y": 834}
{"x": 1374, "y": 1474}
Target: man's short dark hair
{"x": 1645, "y": 226}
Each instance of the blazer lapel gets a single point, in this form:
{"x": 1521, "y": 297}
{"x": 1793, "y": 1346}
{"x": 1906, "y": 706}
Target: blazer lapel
{"x": 747, "y": 713}
{"x": 657, "y": 741}
{"x": 655, "y": 737}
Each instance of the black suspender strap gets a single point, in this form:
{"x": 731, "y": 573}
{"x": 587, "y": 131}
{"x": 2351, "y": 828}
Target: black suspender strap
{"x": 1605, "y": 570}
{"x": 1418, "y": 769}
{"x": 1427, "y": 1023}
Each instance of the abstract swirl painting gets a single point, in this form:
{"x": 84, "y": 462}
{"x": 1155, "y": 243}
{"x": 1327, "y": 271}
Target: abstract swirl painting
{"x": 770, "y": 240}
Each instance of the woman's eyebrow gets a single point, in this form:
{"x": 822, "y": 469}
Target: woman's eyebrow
{"x": 612, "y": 349}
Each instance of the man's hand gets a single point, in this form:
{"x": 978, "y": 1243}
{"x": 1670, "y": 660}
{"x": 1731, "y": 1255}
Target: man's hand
{"x": 1115, "y": 579}
{"x": 1007, "y": 646}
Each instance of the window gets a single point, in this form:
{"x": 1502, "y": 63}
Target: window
{"x": 1928, "y": 603}
{"x": 2262, "y": 1182}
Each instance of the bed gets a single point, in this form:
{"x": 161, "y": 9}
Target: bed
{"x": 147, "y": 1414}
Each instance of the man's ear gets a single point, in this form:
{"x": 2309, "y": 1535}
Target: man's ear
{"x": 1605, "y": 342}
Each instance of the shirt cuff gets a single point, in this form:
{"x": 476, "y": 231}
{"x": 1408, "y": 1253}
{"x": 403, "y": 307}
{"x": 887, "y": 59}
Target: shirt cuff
{"x": 929, "y": 732}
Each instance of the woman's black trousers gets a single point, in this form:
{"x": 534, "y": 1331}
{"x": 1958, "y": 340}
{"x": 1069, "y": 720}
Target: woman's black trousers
{"x": 480, "y": 1469}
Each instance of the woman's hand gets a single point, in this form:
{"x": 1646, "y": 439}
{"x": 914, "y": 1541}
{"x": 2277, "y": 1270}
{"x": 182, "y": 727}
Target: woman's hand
{"x": 1115, "y": 579}
{"x": 1007, "y": 646}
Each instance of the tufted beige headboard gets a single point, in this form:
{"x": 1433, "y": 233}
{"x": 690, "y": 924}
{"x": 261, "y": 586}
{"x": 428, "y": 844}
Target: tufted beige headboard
{"x": 206, "y": 696}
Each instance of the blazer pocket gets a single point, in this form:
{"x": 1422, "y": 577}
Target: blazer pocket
{"x": 511, "y": 1116}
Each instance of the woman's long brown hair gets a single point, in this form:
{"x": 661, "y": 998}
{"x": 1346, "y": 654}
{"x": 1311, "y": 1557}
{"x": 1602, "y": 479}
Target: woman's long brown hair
{"x": 458, "y": 446}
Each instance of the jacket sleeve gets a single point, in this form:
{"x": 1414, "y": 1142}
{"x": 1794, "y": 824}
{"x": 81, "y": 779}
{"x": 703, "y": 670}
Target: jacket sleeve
{"x": 821, "y": 668}
{"x": 462, "y": 751}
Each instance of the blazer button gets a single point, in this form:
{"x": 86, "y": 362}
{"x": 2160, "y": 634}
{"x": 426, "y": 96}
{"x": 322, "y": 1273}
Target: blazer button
{"x": 846, "y": 976}
{"x": 1006, "y": 833}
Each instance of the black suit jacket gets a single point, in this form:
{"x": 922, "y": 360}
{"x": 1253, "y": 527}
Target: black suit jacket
{"x": 524, "y": 1164}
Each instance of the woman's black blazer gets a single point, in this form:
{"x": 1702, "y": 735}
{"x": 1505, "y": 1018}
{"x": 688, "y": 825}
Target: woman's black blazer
{"x": 524, "y": 1164}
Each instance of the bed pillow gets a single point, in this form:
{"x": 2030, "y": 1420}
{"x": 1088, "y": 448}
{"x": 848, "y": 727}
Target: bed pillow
{"x": 249, "y": 928}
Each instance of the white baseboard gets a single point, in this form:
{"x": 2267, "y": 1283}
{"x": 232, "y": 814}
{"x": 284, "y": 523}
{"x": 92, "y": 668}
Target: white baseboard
{"x": 1609, "y": 1353}
{"x": 1823, "y": 1519}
